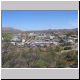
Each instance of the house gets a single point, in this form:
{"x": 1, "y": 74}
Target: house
{"x": 23, "y": 40}
{"x": 2, "y": 38}
{"x": 71, "y": 41}
{"x": 55, "y": 43}
{"x": 52, "y": 37}
{"x": 14, "y": 43}
{"x": 15, "y": 39}
{"x": 31, "y": 34}
{"x": 76, "y": 40}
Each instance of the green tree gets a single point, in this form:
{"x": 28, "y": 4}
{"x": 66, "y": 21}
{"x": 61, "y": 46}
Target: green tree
{"x": 6, "y": 55}
{"x": 58, "y": 48}
{"x": 7, "y": 37}
{"x": 40, "y": 64}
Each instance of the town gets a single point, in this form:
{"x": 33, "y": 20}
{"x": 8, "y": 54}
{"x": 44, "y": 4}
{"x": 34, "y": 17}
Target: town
{"x": 35, "y": 39}
{"x": 48, "y": 48}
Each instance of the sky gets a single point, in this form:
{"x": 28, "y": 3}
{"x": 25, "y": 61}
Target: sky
{"x": 40, "y": 19}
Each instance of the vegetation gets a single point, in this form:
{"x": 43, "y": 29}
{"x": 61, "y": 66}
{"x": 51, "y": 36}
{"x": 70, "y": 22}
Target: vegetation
{"x": 7, "y": 36}
{"x": 51, "y": 57}
{"x": 58, "y": 56}
{"x": 68, "y": 59}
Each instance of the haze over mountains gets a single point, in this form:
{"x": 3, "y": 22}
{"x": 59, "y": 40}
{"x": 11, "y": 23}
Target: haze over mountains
{"x": 9, "y": 29}
{"x": 14, "y": 30}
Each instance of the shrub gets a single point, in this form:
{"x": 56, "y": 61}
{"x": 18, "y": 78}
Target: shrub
{"x": 67, "y": 48}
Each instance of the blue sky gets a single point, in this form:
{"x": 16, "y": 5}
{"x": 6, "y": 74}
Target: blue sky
{"x": 40, "y": 20}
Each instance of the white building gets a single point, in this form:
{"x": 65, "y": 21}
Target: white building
{"x": 31, "y": 34}
{"x": 2, "y": 38}
{"x": 71, "y": 41}
{"x": 23, "y": 40}
{"x": 52, "y": 37}
{"x": 15, "y": 38}
{"x": 14, "y": 43}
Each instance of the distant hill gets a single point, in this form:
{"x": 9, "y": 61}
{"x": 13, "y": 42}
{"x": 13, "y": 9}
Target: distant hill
{"x": 54, "y": 30}
{"x": 75, "y": 29}
{"x": 12, "y": 30}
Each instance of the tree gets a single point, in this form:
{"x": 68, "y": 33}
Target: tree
{"x": 5, "y": 47}
{"x": 41, "y": 64}
{"x": 7, "y": 37}
{"x": 58, "y": 48}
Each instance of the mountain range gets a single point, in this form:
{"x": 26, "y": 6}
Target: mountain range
{"x": 13, "y": 30}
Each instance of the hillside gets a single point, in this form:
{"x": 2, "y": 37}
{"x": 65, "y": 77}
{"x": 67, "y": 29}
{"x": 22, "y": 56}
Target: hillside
{"x": 12, "y": 30}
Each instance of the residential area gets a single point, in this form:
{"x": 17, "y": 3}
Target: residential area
{"x": 36, "y": 39}
{"x": 39, "y": 45}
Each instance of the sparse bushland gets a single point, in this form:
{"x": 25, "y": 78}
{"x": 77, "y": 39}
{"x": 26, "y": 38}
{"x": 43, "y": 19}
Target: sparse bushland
{"x": 68, "y": 59}
{"x": 38, "y": 57}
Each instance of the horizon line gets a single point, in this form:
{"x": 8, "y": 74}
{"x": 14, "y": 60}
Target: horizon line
{"x": 40, "y": 29}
